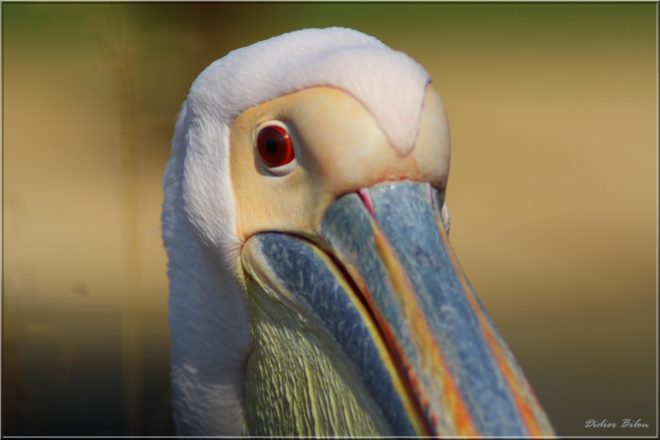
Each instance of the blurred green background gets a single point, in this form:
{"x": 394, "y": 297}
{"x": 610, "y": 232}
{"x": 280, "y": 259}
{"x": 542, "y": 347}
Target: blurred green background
{"x": 552, "y": 193}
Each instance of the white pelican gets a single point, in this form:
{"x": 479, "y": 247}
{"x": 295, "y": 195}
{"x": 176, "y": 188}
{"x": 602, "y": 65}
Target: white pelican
{"x": 312, "y": 287}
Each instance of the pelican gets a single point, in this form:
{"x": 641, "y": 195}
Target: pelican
{"x": 313, "y": 290}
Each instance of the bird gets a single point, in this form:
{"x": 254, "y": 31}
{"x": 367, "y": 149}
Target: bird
{"x": 312, "y": 287}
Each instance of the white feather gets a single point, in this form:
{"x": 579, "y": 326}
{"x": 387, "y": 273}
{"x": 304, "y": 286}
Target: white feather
{"x": 208, "y": 349}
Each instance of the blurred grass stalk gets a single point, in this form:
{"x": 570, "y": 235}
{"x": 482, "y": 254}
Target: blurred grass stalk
{"x": 118, "y": 41}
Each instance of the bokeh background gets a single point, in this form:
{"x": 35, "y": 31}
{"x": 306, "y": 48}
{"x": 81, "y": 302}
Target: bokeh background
{"x": 552, "y": 193}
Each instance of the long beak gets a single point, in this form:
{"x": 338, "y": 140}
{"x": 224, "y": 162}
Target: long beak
{"x": 382, "y": 280}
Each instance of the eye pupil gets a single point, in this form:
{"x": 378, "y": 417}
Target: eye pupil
{"x": 271, "y": 146}
{"x": 274, "y": 146}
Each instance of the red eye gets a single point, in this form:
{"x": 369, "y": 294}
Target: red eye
{"x": 275, "y": 147}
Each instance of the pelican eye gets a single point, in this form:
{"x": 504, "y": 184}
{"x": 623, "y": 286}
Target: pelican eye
{"x": 275, "y": 147}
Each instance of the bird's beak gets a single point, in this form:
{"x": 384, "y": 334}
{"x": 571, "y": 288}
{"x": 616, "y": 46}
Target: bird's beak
{"x": 381, "y": 278}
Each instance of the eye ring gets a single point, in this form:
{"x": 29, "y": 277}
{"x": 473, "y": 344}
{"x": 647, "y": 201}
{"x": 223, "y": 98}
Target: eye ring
{"x": 274, "y": 147}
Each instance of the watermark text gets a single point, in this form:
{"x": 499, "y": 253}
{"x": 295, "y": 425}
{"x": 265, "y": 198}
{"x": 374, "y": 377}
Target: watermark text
{"x": 611, "y": 424}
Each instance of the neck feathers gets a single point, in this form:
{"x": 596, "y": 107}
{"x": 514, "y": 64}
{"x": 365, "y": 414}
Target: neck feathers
{"x": 209, "y": 324}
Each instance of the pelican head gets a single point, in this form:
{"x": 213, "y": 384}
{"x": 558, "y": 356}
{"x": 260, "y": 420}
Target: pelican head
{"x": 313, "y": 290}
